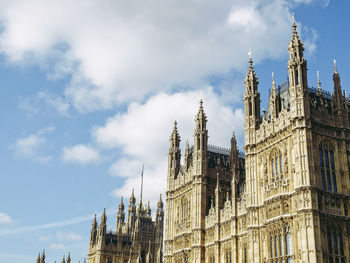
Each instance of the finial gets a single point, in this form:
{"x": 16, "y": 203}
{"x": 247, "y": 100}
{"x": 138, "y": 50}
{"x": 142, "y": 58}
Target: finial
{"x": 273, "y": 80}
{"x": 294, "y": 24}
{"x": 201, "y": 103}
{"x": 175, "y": 124}
{"x": 233, "y": 132}
{"x": 250, "y": 59}
{"x": 335, "y": 65}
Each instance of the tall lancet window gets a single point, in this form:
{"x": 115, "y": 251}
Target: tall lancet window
{"x": 276, "y": 165}
{"x": 327, "y": 167}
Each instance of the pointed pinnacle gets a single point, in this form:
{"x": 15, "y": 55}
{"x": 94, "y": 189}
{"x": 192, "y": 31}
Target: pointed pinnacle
{"x": 335, "y": 66}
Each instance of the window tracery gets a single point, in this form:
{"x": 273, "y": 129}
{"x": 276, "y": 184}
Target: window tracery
{"x": 281, "y": 249}
{"x": 335, "y": 245}
{"x": 276, "y": 165}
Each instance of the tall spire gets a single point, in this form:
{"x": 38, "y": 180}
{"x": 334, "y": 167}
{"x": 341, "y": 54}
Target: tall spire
{"x": 337, "y": 86}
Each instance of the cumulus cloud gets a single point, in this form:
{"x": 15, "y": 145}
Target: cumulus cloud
{"x": 5, "y": 219}
{"x": 33, "y": 145}
{"x": 142, "y": 135}
{"x": 118, "y": 51}
{"x": 80, "y": 154}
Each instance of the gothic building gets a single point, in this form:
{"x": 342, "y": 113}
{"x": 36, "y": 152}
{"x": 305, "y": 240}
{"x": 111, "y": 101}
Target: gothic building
{"x": 286, "y": 199}
{"x": 136, "y": 239}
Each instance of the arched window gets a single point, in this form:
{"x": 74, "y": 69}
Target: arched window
{"x": 281, "y": 248}
{"x": 276, "y": 165}
{"x": 327, "y": 167}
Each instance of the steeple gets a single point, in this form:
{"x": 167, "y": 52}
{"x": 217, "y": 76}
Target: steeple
{"x": 251, "y": 97}
{"x": 174, "y": 156}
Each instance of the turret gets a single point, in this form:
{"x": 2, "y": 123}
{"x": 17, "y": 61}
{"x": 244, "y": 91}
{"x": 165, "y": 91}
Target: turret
{"x": 93, "y": 232}
{"x": 200, "y": 142}
{"x": 103, "y": 224}
{"x": 187, "y": 159}
{"x": 120, "y": 215}
{"x": 297, "y": 72}
{"x": 174, "y": 155}
{"x": 251, "y": 97}
{"x": 132, "y": 211}
{"x": 251, "y": 105}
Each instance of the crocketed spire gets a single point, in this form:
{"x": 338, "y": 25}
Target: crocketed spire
{"x": 201, "y": 118}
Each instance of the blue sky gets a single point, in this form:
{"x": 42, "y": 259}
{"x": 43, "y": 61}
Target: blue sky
{"x": 90, "y": 90}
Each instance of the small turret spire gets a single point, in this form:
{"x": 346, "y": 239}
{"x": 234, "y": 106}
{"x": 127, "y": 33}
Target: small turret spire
{"x": 68, "y": 258}
{"x": 38, "y": 258}
{"x": 335, "y": 66}
{"x": 318, "y": 82}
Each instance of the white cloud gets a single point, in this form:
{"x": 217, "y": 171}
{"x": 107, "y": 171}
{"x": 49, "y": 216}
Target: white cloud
{"x": 5, "y": 219}
{"x": 32, "y": 146}
{"x": 70, "y": 236}
{"x": 142, "y": 134}
{"x": 57, "y": 246}
{"x": 118, "y": 51}
{"x": 80, "y": 154}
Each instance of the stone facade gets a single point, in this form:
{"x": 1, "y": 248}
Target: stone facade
{"x": 286, "y": 199}
{"x": 139, "y": 239}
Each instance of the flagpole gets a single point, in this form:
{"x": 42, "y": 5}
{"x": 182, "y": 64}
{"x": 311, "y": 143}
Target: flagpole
{"x": 141, "y": 183}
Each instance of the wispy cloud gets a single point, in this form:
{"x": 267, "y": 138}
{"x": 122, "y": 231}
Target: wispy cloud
{"x": 43, "y": 102}
{"x": 19, "y": 230}
{"x": 5, "y": 219}
{"x": 57, "y": 246}
{"x": 32, "y": 146}
{"x": 70, "y": 236}
{"x": 72, "y": 221}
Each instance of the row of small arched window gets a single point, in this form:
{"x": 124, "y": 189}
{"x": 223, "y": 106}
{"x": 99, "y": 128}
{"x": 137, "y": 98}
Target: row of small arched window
{"x": 281, "y": 247}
